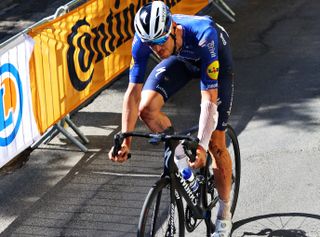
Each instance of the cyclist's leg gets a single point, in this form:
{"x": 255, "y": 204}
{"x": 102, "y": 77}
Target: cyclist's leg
{"x": 222, "y": 165}
{"x": 150, "y": 111}
{"x": 169, "y": 76}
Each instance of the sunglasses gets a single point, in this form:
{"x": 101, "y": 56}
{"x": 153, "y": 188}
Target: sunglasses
{"x": 159, "y": 41}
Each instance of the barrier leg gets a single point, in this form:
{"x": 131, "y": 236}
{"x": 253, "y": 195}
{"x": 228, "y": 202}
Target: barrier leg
{"x": 71, "y": 138}
{"x": 43, "y": 138}
{"x": 55, "y": 133}
{"x": 76, "y": 130}
{"x": 59, "y": 128}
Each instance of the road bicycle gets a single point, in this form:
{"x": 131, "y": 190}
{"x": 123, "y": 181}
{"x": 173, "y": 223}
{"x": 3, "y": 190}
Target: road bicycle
{"x": 171, "y": 208}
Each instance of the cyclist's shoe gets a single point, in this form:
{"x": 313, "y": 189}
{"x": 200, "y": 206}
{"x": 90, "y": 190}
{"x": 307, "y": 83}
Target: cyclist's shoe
{"x": 223, "y": 228}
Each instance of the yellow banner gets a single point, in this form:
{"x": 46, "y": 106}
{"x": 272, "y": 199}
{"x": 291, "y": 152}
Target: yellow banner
{"x": 77, "y": 54}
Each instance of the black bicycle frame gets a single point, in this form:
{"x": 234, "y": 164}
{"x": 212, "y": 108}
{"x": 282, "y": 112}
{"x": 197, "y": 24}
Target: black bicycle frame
{"x": 199, "y": 207}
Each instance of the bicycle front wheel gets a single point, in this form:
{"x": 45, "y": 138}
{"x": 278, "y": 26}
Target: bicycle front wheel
{"x": 161, "y": 216}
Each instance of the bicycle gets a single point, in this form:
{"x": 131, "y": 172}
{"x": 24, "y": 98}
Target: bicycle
{"x": 163, "y": 207}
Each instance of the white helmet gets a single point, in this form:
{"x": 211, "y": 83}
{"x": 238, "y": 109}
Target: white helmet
{"x": 152, "y": 21}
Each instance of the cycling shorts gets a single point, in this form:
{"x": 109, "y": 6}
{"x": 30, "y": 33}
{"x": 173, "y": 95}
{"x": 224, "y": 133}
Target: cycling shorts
{"x": 173, "y": 73}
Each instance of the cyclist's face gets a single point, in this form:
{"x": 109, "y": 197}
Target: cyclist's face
{"x": 164, "y": 50}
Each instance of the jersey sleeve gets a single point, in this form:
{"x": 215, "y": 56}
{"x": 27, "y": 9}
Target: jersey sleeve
{"x": 208, "y": 46}
{"x": 139, "y": 60}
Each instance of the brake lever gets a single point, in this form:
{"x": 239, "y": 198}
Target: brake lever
{"x": 190, "y": 148}
{"x": 118, "y": 140}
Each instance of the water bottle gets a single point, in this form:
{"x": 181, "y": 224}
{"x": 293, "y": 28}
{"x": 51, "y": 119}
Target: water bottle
{"x": 188, "y": 175}
{"x": 181, "y": 162}
{"x": 180, "y": 158}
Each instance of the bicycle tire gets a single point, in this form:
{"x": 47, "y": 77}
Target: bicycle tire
{"x": 156, "y": 222}
{"x": 236, "y": 169}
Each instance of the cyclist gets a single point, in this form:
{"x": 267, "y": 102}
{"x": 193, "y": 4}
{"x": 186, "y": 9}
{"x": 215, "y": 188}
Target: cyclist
{"x": 190, "y": 47}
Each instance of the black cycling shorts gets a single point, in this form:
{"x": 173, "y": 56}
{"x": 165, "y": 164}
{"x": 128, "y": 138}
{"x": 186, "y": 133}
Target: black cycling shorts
{"x": 171, "y": 74}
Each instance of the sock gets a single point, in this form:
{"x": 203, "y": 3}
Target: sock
{"x": 224, "y": 210}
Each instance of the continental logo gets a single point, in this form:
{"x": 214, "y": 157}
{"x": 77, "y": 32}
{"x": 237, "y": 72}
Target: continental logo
{"x": 213, "y": 70}
{"x": 11, "y": 101}
{"x": 88, "y": 45}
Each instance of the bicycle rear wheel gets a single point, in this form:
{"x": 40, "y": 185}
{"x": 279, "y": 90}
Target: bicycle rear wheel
{"x": 155, "y": 218}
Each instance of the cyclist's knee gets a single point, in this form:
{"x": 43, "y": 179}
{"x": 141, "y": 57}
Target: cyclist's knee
{"x": 150, "y": 105}
{"x": 145, "y": 113}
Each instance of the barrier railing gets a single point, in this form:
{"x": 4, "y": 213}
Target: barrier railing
{"x": 59, "y": 127}
{"x": 16, "y": 134}
{"x": 224, "y": 9}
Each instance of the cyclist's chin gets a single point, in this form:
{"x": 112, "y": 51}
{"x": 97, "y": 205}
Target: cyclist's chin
{"x": 164, "y": 54}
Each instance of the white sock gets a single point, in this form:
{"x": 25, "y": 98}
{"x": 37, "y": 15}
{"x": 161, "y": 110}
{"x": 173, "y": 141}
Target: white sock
{"x": 224, "y": 210}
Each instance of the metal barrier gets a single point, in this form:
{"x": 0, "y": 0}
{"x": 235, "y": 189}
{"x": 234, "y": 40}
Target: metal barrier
{"x": 224, "y": 9}
{"x": 58, "y": 127}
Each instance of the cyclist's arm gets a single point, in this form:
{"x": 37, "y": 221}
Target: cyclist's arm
{"x": 208, "y": 118}
{"x": 207, "y": 123}
{"x": 209, "y": 93}
{"x": 140, "y": 55}
{"x": 130, "y": 109}
{"x": 209, "y": 86}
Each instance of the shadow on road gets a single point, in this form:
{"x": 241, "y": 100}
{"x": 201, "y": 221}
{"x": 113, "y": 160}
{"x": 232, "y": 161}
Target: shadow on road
{"x": 279, "y": 225}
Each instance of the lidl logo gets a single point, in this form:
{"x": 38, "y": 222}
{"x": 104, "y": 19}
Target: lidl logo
{"x": 11, "y": 101}
{"x": 213, "y": 70}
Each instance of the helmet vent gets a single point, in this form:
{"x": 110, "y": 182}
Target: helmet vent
{"x": 156, "y": 25}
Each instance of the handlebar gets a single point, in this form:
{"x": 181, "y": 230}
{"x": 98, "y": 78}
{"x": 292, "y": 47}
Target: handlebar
{"x": 190, "y": 143}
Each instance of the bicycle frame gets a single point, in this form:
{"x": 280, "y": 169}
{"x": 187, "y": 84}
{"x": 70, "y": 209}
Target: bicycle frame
{"x": 199, "y": 207}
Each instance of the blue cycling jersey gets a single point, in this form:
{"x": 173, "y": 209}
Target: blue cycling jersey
{"x": 205, "y": 45}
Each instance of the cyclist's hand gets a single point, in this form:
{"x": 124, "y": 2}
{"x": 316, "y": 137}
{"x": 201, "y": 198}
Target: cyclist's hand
{"x": 201, "y": 158}
{"x": 122, "y": 155}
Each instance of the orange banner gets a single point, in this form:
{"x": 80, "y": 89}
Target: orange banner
{"x": 77, "y": 54}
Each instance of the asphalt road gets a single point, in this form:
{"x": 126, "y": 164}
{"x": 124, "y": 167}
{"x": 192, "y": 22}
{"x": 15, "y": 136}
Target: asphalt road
{"x": 64, "y": 192}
